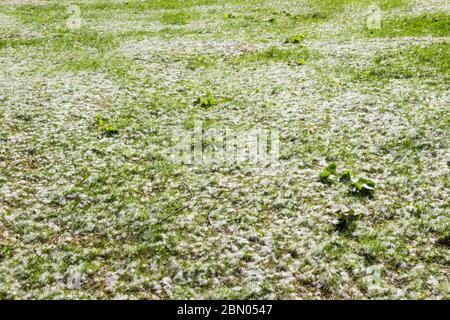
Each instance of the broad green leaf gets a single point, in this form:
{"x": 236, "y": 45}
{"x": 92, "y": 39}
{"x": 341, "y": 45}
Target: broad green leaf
{"x": 296, "y": 39}
{"x": 346, "y": 175}
{"x": 325, "y": 175}
{"x": 331, "y": 168}
{"x": 358, "y": 186}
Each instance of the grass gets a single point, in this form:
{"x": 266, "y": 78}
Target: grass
{"x": 423, "y": 25}
{"x": 178, "y": 17}
{"x": 88, "y": 187}
{"x": 332, "y": 7}
{"x": 14, "y": 43}
{"x": 275, "y": 54}
{"x": 411, "y": 62}
{"x": 147, "y": 5}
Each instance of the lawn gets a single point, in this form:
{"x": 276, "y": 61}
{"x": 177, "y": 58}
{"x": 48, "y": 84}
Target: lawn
{"x": 95, "y": 97}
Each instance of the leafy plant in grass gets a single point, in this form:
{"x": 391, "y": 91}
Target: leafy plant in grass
{"x": 327, "y": 172}
{"x": 205, "y": 102}
{"x": 109, "y": 130}
{"x": 229, "y": 16}
{"x": 363, "y": 186}
{"x": 345, "y": 176}
{"x": 359, "y": 186}
{"x": 106, "y": 128}
{"x": 345, "y": 219}
{"x": 99, "y": 120}
{"x": 295, "y": 39}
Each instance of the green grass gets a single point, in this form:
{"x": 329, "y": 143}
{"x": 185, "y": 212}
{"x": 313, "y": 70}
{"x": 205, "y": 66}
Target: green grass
{"x": 147, "y": 5}
{"x": 333, "y": 7}
{"x": 411, "y": 62}
{"x": 201, "y": 61}
{"x": 102, "y": 195}
{"x": 178, "y": 17}
{"x": 293, "y": 56}
{"x": 15, "y": 43}
{"x": 424, "y": 25}
{"x": 43, "y": 16}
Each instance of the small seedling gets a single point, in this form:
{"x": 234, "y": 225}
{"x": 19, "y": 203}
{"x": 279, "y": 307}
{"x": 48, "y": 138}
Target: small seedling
{"x": 363, "y": 186}
{"x": 99, "y": 120}
{"x": 324, "y": 175}
{"x": 296, "y": 39}
{"x": 346, "y": 219}
{"x": 327, "y": 172}
{"x": 106, "y": 128}
{"x": 229, "y": 16}
{"x": 359, "y": 186}
{"x": 109, "y": 130}
{"x": 331, "y": 168}
{"x": 205, "y": 102}
{"x": 301, "y": 62}
{"x": 346, "y": 175}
